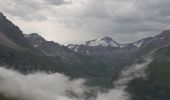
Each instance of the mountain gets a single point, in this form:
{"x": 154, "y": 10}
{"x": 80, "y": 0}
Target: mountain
{"x": 140, "y": 43}
{"x": 157, "y": 84}
{"x": 101, "y": 51}
{"x": 30, "y": 53}
{"x": 17, "y": 51}
{"x": 133, "y": 53}
{"x": 105, "y": 42}
{"x": 11, "y": 35}
{"x": 110, "y": 51}
{"x": 156, "y": 42}
{"x": 99, "y": 61}
{"x": 49, "y": 48}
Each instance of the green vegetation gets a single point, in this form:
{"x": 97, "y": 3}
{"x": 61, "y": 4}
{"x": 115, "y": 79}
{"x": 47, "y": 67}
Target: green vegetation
{"x": 157, "y": 85}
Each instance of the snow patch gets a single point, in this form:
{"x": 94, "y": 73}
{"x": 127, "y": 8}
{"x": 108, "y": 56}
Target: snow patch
{"x": 106, "y": 41}
{"x": 138, "y": 44}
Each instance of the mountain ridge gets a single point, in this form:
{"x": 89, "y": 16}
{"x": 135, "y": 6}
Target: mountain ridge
{"x": 107, "y": 42}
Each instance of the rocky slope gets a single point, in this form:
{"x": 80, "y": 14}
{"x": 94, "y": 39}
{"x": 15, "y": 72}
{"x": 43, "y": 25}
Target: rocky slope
{"x": 49, "y": 48}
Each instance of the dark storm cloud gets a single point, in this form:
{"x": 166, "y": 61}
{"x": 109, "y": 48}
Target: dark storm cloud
{"x": 151, "y": 16}
{"x": 132, "y": 17}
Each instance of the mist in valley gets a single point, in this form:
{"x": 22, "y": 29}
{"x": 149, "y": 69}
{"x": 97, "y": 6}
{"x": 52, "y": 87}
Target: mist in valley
{"x": 56, "y": 86}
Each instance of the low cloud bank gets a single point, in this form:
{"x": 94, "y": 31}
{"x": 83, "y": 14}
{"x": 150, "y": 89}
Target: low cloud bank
{"x": 119, "y": 92}
{"x": 42, "y": 86}
{"x": 39, "y": 86}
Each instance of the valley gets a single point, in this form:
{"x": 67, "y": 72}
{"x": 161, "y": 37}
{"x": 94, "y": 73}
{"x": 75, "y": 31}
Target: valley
{"x": 99, "y": 63}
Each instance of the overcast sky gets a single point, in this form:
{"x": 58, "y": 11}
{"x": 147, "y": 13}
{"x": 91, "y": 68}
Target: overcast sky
{"x": 75, "y": 21}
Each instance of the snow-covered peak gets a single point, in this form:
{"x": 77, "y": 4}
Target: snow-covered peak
{"x": 104, "y": 41}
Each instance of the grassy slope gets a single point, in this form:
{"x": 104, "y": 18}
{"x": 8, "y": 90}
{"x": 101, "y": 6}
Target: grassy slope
{"x": 157, "y": 85}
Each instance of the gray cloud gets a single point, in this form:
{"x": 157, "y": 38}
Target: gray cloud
{"x": 91, "y": 17}
{"x": 30, "y": 10}
{"x": 26, "y": 10}
{"x": 126, "y": 17}
{"x": 40, "y": 86}
{"x": 58, "y": 2}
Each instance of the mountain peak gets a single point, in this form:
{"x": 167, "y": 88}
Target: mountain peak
{"x": 32, "y": 35}
{"x": 102, "y": 41}
{"x": 106, "y": 38}
{"x": 35, "y": 38}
